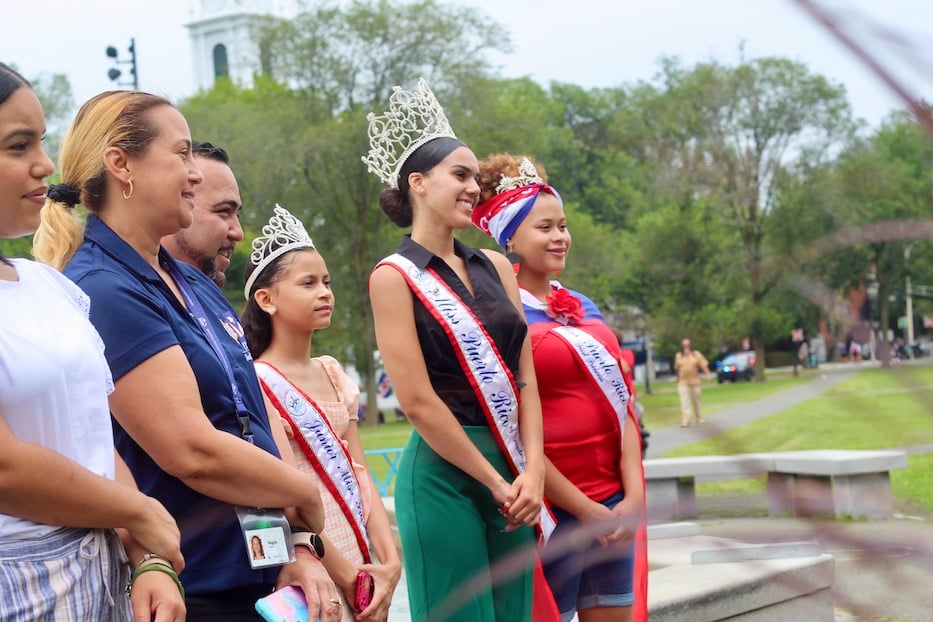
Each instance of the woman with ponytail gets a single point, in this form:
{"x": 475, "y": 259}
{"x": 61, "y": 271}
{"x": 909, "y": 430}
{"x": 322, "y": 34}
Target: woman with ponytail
{"x": 190, "y": 420}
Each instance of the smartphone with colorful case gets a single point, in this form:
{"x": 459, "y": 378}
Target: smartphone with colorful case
{"x": 284, "y": 605}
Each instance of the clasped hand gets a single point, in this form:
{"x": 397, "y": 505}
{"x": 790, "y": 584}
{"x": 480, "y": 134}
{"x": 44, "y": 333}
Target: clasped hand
{"x": 520, "y": 502}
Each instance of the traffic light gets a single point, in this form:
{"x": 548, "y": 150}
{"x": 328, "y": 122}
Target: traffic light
{"x": 114, "y": 73}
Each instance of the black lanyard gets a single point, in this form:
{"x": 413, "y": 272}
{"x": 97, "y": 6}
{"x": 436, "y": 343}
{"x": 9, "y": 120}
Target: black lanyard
{"x": 200, "y": 317}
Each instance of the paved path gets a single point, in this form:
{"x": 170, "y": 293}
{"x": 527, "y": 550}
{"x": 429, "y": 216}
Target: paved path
{"x": 669, "y": 438}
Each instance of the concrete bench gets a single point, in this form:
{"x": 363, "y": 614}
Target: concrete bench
{"x": 671, "y": 482}
{"x": 843, "y": 482}
{"x": 839, "y": 481}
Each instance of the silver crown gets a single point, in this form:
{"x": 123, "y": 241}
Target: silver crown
{"x": 413, "y": 118}
{"x": 281, "y": 234}
{"x": 527, "y": 175}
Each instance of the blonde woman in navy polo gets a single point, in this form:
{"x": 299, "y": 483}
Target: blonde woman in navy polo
{"x": 189, "y": 416}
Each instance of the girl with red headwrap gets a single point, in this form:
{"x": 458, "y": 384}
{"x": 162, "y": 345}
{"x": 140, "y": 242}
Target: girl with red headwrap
{"x": 594, "y": 478}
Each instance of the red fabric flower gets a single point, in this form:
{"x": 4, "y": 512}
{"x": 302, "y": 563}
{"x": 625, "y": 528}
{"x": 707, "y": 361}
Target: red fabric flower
{"x": 564, "y": 306}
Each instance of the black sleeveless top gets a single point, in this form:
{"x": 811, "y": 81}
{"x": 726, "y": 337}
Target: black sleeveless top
{"x": 490, "y": 304}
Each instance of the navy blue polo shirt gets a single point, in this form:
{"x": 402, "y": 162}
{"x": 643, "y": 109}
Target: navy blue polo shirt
{"x": 138, "y": 316}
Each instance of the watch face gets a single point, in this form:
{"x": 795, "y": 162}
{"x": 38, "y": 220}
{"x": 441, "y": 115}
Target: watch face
{"x": 318, "y": 545}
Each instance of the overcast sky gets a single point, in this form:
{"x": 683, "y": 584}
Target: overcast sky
{"x": 587, "y": 42}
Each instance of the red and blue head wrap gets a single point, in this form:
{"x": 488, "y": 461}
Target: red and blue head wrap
{"x": 501, "y": 215}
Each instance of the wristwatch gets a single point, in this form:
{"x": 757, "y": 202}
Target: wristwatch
{"x": 302, "y": 536}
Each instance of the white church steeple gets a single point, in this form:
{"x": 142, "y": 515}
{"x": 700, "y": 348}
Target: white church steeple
{"x": 221, "y": 42}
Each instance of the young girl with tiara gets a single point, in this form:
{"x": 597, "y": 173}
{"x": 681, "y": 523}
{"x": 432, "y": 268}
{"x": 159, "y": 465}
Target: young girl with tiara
{"x": 289, "y": 298}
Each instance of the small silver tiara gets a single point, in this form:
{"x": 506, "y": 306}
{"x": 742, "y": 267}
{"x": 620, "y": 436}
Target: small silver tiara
{"x": 527, "y": 175}
{"x": 413, "y": 118}
{"x": 281, "y": 234}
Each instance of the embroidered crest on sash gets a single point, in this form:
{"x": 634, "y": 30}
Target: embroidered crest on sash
{"x": 320, "y": 445}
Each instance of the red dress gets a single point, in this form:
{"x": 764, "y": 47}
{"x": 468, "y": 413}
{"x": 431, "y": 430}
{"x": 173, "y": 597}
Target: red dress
{"x": 579, "y": 437}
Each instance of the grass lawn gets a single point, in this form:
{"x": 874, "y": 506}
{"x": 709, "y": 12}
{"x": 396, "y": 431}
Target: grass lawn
{"x": 875, "y": 409}
{"x": 662, "y": 407}
{"x": 392, "y": 435}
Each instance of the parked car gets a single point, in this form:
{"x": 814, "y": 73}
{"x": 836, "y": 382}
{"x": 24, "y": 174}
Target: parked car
{"x": 922, "y": 347}
{"x": 735, "y": 366}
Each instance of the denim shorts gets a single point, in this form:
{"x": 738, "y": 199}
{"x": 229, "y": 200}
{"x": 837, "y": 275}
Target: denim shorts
{"x": 583, "y": 576}
{"x": 69, "y": 575}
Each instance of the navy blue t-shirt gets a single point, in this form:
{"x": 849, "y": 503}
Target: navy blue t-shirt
{"x": 138, "y": 316}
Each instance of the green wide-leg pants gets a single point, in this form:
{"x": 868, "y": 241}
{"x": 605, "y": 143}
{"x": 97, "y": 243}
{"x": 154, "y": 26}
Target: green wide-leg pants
{"x": 459, "y": 564}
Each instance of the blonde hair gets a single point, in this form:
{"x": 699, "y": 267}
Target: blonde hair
{"x": 111, "y": 119}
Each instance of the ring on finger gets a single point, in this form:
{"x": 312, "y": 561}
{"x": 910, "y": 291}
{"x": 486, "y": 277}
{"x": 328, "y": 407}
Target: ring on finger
{"x": 336, "y": 601}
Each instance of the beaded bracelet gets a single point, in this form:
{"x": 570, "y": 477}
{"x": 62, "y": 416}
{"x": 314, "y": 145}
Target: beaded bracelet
{"x": 161, "y": 567}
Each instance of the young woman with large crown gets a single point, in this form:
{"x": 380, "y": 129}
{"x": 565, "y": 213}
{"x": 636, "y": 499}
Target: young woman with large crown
{"x": 451, "y": 333}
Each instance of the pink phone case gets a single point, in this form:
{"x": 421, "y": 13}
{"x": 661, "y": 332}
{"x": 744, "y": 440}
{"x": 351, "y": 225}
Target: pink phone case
{"x": 285, "y": 605}
{"x": 364, "y": 590}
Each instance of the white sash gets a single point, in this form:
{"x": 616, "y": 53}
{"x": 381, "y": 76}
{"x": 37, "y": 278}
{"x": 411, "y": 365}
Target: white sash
{"x": 487, "y": 373}
{"x": 602, "y": 367}
{"x": 320, "y": 445}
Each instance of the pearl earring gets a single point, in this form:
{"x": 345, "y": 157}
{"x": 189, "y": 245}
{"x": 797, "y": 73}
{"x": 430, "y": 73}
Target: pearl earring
{"x": 272, "y": 310}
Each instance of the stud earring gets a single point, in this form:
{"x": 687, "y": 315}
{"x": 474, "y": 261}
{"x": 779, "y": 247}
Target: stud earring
{"x": 272, "y": 310}
{"x": 127, "y": 195}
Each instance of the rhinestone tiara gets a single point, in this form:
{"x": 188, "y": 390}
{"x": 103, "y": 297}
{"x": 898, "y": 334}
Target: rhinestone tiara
{"x": 527, "y": 175}
{"x": 413, "y": 118}
{"x": 281, "y": 234}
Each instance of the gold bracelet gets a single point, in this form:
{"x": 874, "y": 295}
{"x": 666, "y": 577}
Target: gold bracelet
{"x": 149, "y": 556}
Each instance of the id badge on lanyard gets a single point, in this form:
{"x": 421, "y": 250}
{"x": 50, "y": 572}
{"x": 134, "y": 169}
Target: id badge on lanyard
{"x": 266, "y": 532}
{"x": 267, "y": 536}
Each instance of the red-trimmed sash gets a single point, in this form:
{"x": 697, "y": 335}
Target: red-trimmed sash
{"x": 487, "y": 373}
{"x": 320, "y": 445}
{"x": 607, "y": 374}
{"x": 602, "y": 367}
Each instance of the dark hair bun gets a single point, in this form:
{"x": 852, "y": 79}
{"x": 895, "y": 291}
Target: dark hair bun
{"x": 396, "y": 207}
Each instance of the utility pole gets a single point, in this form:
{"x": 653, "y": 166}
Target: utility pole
{"x": 910, "y": 302}
{"x": 114, "y": 73}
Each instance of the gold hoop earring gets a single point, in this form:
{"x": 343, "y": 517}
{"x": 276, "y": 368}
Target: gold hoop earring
{"x": 125, "y": 195}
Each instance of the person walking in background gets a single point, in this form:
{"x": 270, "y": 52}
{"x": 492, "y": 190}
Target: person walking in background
{"x": 63, "y": 490}
{"x": 688, "y": 363}
{"x": 289, "y": 298}
{"x": 190, "y": 420}
{"x": 215, "y": 227}
{"x": 451, "y": 334}
{"x": 595, "y": 480}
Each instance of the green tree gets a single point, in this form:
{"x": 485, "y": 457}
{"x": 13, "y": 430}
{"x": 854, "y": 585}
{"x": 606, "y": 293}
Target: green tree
{"x": 723, "y": 136}
{"x": 296, "y": 136}
{"x": 884, "y": 189}
{"x": 58, "y": 105}
{"x": 350, "y": 57}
